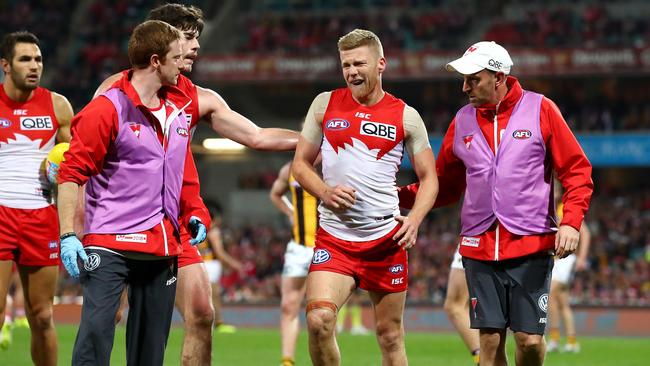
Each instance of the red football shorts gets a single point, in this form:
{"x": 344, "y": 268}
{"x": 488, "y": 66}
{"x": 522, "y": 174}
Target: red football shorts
{"x": 378, "y": 265}
{"x": 190, "y": 254}
{"x": 30, "y": 237}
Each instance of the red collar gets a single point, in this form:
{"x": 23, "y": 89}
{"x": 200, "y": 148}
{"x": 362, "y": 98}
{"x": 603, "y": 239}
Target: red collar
{"x": 168, "y": 93}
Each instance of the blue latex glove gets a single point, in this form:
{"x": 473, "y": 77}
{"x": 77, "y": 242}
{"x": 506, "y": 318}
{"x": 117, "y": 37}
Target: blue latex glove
{"x": 198, "y": 230}
{"x": 52, "y": 172}
{"x": 71, "y": 249}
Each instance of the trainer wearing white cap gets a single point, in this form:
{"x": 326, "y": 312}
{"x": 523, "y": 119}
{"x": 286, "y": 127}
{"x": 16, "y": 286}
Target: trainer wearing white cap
{"x": 482, "y": 55}
{"x": 500, "y": 151}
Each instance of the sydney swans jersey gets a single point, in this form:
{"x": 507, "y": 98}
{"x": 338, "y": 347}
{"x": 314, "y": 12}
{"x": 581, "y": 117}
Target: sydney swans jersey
{"x": 362, "y": 148}
{"x": 27, "y": 134}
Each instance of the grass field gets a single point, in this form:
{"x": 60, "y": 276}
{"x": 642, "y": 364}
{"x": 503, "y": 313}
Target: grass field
{"x": 257, "y": 347}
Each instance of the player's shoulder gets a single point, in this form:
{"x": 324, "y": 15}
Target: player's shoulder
{"x": 185, "y": 83}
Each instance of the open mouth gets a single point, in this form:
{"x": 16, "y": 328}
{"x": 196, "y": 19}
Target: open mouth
{"x": 357, "y": 82}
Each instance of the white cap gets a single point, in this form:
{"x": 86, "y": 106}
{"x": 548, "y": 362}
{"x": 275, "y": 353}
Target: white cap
{"x": 482, "y": 55}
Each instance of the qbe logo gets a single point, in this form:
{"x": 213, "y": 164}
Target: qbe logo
{"x": 321, "y": 256}
{"x": 36, "y": 123}
{"x": 381, "y": 130}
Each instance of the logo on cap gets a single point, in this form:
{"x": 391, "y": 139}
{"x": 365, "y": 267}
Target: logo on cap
{"x": 496, "y": 64}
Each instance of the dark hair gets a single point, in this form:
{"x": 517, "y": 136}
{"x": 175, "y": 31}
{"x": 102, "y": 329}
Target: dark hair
{"x": 8, "y": 47}
{"x": 183, "y": 17}
{"x": 150, "y": 38}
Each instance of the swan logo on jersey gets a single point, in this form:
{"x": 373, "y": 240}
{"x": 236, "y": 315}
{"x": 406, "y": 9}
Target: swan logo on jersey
{"x": 182, "y": 131}
{"x": 337, "y": 124}
{"x": 468, "y": 140}
{"x": 381, "y": 130}
{"x": 4, "y": 123}
{"x": 396, "y": 269}
{"x": 522, "y": 134}
{"x": 135, "y": 127}
{"x": 36, "y": 123}
{"x": 93, "y": 262}
{"x": 321, "y": 256}
{"x": 543, "y": 302}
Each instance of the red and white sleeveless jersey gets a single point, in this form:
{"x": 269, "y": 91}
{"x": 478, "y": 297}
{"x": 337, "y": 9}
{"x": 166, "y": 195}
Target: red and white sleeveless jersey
{"x": 27, "y": 134}
{"x": 362, "y": 147}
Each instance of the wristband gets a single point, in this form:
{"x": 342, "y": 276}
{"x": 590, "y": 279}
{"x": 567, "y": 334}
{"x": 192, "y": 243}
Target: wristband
{"x": 67, "y": 235}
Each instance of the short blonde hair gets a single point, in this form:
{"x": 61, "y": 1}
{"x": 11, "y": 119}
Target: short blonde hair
{"x": 358, "y": 38}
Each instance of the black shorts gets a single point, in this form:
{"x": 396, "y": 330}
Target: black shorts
{"x": 511, "y": 293}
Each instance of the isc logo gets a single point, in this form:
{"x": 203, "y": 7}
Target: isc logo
{"x": 522, "y": 134}
{"x": 397, "y": 281}
{"x": 337, "y": 124}
{"x": 377, "y": 129}
{"x": 36, "y": 123}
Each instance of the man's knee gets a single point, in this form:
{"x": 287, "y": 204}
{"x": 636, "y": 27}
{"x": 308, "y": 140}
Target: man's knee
{"x": 289, "y": 306}
{"x": 321, "y": 317}
{"x": 41, "y": 318}
{"x": 200, "y": 314}
{"x": 529, "y": 342}
{"x": 453, "y": 308}
{"x": 390, "y": 336}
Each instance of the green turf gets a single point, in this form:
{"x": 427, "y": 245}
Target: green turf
{"x": 261, "y": 347}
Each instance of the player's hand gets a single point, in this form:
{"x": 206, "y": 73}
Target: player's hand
{"x": 339, "y": 197}
{"x": 52, "y": 171}
{"x": 198, "y": 231}
{"x": 407, "y": 235}
{"x": 581, "y": 265}
{"x": 566, "y": 241}
{"x": 71, "y": 249}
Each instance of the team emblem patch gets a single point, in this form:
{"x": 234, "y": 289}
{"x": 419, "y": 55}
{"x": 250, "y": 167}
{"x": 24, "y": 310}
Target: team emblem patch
{"x": 135, "y": 127}
{"x": 93, "y": 262}
{"x": 542, "y": 302}
{"x": 522, "y": 134}
{"x": 337, "y": 124}
{"x": 321, "y": 256}
{"x": 396, "y": 269}
{"x": 5, "y": 123}
{"x": 182, "y": 131}
{"x": 467, "y": 140}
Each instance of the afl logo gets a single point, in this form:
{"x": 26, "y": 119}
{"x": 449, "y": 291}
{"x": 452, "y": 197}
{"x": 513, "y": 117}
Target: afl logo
{"x": 396, "y": 269}
{"x": 93, "y": 262}
{"x": 522, "y": 134}
{"x": 337, "y": 124}
{"x": 543, "y": 302}
{"x": 182, "y": 131}
{"x": 320, "y": 256}
{"x": 4, "y": 123}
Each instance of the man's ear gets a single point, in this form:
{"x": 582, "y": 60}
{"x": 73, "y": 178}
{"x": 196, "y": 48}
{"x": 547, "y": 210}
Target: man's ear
{"x": 5, "y": 65}
{"x": 154, "y": 61}
{"x": 382, "y": 65}
{"x": 501, "y": 78}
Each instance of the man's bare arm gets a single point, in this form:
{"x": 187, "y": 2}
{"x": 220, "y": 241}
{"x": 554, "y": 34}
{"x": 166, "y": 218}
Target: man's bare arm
{"x": 279, "y": 188}
{"x": 64, "y": 113}
{"x": 232, "y": 125}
